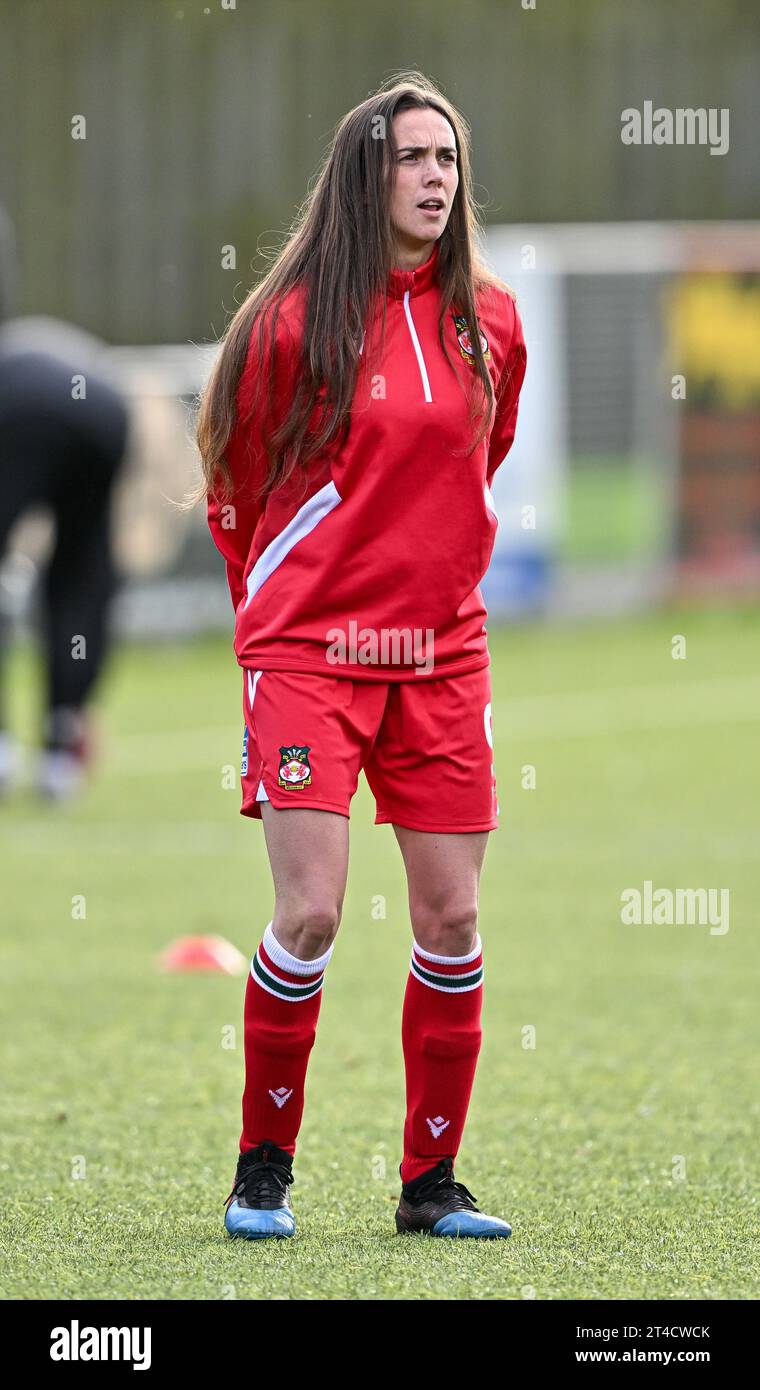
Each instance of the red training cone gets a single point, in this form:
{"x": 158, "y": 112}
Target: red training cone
{"x": 203, "y": 953}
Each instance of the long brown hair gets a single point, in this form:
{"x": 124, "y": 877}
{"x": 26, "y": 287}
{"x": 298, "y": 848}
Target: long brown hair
{"x": 341, "y": 248}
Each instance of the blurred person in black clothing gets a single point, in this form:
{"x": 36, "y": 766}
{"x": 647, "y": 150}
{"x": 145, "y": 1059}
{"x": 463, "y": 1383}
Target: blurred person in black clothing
{"x": 63, "y": 437}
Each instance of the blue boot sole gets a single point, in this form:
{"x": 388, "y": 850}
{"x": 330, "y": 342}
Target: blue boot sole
{"x": 472, "y": 1224}
{"x": 272, "y": 1222}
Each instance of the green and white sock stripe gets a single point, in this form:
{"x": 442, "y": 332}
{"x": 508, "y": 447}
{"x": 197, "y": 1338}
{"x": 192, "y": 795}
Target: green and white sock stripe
{"x": 451, "y": 974}
{"x": 280, "y": 973}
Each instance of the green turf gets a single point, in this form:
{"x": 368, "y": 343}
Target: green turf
{"x": 646, "y": 1037}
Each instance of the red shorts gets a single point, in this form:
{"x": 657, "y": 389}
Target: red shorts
{"x": 426, "y": 748}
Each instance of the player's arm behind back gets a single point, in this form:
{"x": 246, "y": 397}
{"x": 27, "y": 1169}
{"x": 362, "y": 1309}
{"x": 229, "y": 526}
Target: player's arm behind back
{"x": 233, "y": 518}
{"x": 508, "y": 394}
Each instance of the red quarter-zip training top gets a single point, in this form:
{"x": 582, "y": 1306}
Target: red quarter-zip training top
{"x": 389, "y": 541}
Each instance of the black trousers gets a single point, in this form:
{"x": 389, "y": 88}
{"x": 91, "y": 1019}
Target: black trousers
{"x": 65, "y": 453}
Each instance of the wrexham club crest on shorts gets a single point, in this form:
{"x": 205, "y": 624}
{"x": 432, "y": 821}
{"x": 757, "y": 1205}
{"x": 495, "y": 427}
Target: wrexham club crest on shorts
{"x": 465, "y": 340}
{"x": 295, "y": 769}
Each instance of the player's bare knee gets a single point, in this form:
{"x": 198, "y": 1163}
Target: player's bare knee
{"x": 448, "y": 931}
{"x": 306, "y": 929}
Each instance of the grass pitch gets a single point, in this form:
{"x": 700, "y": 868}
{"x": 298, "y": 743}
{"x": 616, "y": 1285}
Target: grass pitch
{"x": 622, "y": 1146}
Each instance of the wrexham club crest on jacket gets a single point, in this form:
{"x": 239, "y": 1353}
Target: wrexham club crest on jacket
{"x": 295, "y": 769}
{"x": 465, "y": 341}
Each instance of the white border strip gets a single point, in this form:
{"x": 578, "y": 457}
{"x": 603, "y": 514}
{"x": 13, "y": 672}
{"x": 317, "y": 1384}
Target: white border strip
{"x": 417, "y": 348}
{"x": 253, "y": 680}
{"x": 306, "y": 518}
{"x": 450, "y": 960}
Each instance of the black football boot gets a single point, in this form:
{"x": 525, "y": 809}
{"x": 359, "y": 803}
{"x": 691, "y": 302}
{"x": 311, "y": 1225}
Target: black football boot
{"x": 434, "y": 1202}
{"x": 258, "y": 1204}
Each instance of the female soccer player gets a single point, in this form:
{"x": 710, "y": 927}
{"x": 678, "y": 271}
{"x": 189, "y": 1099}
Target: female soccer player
{"x": 364, "y": 396}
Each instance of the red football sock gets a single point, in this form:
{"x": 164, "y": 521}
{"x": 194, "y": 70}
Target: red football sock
{"x": 282, "y": 1002}
{"x": 441, "y": 1037}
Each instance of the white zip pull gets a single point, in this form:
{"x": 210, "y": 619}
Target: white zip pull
{"x": 417, "y": 348}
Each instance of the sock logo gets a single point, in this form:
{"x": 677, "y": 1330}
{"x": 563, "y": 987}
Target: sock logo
{"x": 281, "y": 1095}
{"x": 438, "y": 1125}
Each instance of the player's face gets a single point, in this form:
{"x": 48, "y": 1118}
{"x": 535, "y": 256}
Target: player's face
{"x": 426, "y": 167}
